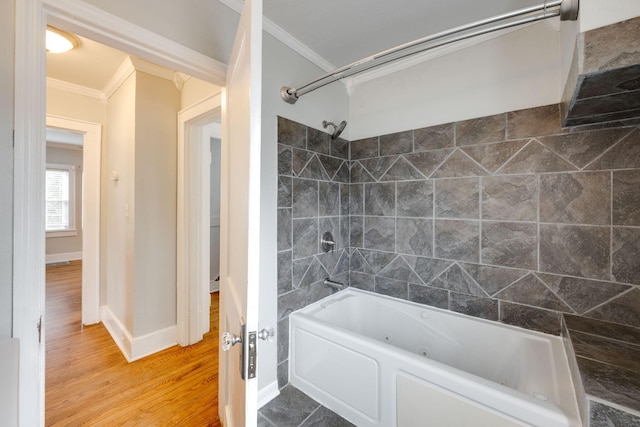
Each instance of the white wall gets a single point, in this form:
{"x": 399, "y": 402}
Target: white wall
{"x": 157, "y": 104}
{"x": 214, "y": 209}
{"x": 68, "y": 244}
{"x": 6, "y": 166}
{"x": 598, "y": 13}
{"x": 517, "y": 70}
{"x": 195, "y": 90}
{"x": 284, "y": 67}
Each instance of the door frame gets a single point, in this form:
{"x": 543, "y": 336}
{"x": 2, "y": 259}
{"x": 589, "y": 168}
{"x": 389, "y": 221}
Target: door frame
{"x": 31, "y": 18}
{"x": 91, "y": 161}
{"x": 193, "y": 221}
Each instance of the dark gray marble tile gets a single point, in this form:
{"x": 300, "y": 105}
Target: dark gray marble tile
{"x": 359, "y": 263}
{"x": 363, "y": 148}
{"x": 434, "y": 297}
{"x": 624, "y": 154}
{"x": 331, "y": 166}
{"x": 314, "y": 170}
{"x": 380, "y": 199}
{"x": 493, "y": 156}
{"x": 378, "y": 166}
{"x": 362, "y": 281}
{"x": 611, "y": 383}
{"x": 492, "y": 279}
{"x": 284, "y": 191}
{"x": 606, "y": 416}
{"x": 481, "y": 130}
{"x": 283, "y": 374}
{"x": 285, "y": 160}
{"x": 614, "y": 81}
{"x": 402, "y": 170}
{"x": 414, "y": 199}
{"x": 284, "y": 229}
{"x": 510, "y": 244}
{"x": 305, "y": 198}
{"x": 607, "y": 351}
{"x": 324, "y": 417}
{"x": 344, "y": 173}
{"x": 316, "y": 272}
{"x": 262, "y": 421}
{"x": 414, "y": 236}
{"x": 459, "y": 164}
{"x": 485, "y": 308}
{"x": 391, "y": 287}
{"x": 625, "y": 254}
{"x": 576, "y": 198}
{"x": 396, "y": 143}
{"x": 299, "y": 269}
{"x": 299, "y": 160}
{"x": 534, "y": 122}
{"x": 356, "y": 199}
{"x": 457, "y": 198}
{"x": 624, "y": 309}
{"x": 356, "y": 231}
{"x": 359, "y": 174}
{"x": 531, "y": 291}
{"x": 283, "y": 339}
{"x": 582, "y": 294}
{"x": 612, "y": 46}
{"x": 434, "y": 137}
{"x": 575, "y": 250}
{"x": 429, "y": 161}
{"x": 530, "y": 318}
{"x": 285, "y": 266}
{"x": 340, "y": 148}
{"x": 456, "y": 280}
{"x": 331, "y": 261}
{"x": 457, "y": 239}
{"x": 345, "y": 200}
{"x": 510, "y": 197}
{"x": 535, "y": 158}
{"x": 378, "y": 260}
{"x": 290, "y": 408}
{"x": 299, "y": 298}
{"x": 398, "y": 269}
{"x": 626, "y": 197}
{"x": 427, "y": 268}
{"x": 329, "y": 198}
{"x": 318, "y": 141}
{"x": 609, "y": 330}
{"x": 380, "y": 233}
{"x": 291, "y": 133}
{"x": 305, "y": 237}
{"x": 581, "y": 148}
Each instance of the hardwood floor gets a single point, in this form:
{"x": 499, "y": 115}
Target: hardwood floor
{"x": 89, "y": 382}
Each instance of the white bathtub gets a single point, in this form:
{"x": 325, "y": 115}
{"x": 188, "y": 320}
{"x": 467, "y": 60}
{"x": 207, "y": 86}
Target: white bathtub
{"x": 379, "y": 361}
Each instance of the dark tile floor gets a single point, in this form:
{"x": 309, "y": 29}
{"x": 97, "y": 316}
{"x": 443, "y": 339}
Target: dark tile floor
{"x": 293, "y": 408}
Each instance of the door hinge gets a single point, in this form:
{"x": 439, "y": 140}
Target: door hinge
{"x": 40, "y": 329}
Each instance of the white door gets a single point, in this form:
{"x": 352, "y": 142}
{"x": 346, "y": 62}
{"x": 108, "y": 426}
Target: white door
{"x": 240, "y": 222}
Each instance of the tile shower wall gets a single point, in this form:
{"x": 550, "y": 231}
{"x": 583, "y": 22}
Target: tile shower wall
{"x": 313, "y": 198}
{"x": 507, "y": 217}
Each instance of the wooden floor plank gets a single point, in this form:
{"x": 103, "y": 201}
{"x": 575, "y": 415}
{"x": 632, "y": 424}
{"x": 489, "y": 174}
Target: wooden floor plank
{"x": 89, "y": 383}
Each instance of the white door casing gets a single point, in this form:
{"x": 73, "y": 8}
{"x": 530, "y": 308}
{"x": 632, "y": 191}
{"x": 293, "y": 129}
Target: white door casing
{"x": 240, "y": 215}
{"x": 193, "y": 220}
{"x": 91, "y": 153}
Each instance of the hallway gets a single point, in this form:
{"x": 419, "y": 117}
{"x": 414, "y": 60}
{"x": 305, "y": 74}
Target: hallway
{"x": 89, "y": 382}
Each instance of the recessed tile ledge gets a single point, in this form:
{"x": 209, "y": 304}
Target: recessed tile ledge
{"x": 605, "y": 359}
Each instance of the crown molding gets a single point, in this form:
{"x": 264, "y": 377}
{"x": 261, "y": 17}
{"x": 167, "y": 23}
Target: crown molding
{"x": 75, "y": 89}
{"x": 279, "y": 33}
{"x": 94, "y": 23}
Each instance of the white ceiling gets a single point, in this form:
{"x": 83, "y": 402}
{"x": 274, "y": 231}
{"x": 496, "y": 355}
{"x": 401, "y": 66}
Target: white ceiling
{"x": 335, "y": 32}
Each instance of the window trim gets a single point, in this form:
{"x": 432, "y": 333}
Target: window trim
{"x": 71, "y": 230}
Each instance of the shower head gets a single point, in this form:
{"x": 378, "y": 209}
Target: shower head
{"x": 337, "y": 129}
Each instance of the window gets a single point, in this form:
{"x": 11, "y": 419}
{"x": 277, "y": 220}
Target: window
{"x": 60, "y": 193}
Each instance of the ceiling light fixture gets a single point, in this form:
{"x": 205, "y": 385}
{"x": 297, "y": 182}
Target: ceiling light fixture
{"x": 59, "y": 41}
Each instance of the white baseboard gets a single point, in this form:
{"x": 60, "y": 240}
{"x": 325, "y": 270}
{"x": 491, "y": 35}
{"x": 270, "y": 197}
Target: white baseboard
{"x": 137, "y": 348}
{"x": 214, "y": 286}
{"x": 63, "y": 257}
{"x": 268, "y": 393}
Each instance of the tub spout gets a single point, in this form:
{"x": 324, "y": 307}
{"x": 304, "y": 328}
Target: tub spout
{"x": 333, "y": 285}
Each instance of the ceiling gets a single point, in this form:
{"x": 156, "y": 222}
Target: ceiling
{"x": 331, "y": 32}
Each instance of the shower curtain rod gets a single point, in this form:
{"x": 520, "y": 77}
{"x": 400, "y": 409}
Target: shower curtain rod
{"x": 566, "y": 9}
